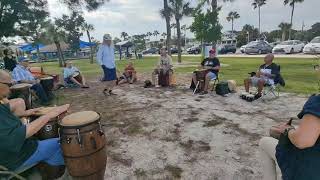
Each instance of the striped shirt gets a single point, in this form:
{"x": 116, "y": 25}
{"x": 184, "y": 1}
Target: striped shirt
{"x": 21, "y": 73}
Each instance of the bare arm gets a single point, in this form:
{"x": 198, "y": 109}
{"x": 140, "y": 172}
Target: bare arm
{"x": 36, "y": 125}
{"x": 307, "y": 134}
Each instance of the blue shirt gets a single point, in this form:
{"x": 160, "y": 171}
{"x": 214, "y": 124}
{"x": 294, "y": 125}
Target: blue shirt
{"x": 68, "y": 72}
{"x": 21, "y": 73}
{"x": 300, "y": 164}
{"x": 105, "y": 56}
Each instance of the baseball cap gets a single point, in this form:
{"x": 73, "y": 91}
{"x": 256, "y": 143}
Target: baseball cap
{"x": 107, "y": 37}
{"x": 212, "y": 51}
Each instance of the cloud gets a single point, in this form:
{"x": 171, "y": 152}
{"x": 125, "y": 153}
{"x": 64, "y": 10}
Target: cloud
{"x": 141, "y": 16}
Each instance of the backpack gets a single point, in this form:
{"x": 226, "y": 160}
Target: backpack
{"x": 222, "y": 88}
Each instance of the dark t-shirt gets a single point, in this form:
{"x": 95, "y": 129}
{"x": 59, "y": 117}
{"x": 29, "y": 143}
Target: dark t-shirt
{"x": 15, "y": 149}
{"x": 9, "y": 63}
{"x": 273, "y": 67}
{"x": 212, "y": 62}
{"x": 300, "y": 164}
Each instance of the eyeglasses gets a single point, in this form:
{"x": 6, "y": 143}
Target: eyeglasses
{"x": 8, "y": 84}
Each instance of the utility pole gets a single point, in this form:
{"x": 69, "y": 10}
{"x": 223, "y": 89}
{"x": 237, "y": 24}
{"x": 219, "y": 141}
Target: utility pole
{"x": 303, "y": 25}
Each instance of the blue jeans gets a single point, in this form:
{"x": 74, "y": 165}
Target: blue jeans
{"x": 109, "y": 74}
{"x": 48, "y": 151}
{"x": 41, "y": 93}
{"x": 212, "y": 76}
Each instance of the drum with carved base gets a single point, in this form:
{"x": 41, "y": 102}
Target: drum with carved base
{"x": 84, "y": 145}
{"x": 164, "y": 78}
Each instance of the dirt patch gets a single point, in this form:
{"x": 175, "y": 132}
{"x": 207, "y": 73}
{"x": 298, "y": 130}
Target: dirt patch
{"x": 174, "y": 170}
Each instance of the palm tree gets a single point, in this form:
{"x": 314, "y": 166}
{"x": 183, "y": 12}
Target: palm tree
{"x": 285, "y": 27}
{"x": 149, "y": 34}
{"x": 124, "y": 35}
{"x": 173, "y": 26}
{"x": 233, "y": 15}
{"x": 156, "y": 33}
{"x": 184, "y": 28}
{"x": 164, "y": 35}
{"x": 166, "y": 13}
{"x": 87, "y": 28}
{"x": 180, "y": 8}
{"x": 257, "y": 4}
{"x": 212, "y": 3}
{"x": 292, "y": 3}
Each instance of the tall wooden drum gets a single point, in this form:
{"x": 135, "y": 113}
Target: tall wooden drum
{"x": 47, "y": 83}
{"x": 22, "y": 91}
{"x": 163, "y": 77}
{"x": 77, "y": 76}
{"x": 84, "y": 145}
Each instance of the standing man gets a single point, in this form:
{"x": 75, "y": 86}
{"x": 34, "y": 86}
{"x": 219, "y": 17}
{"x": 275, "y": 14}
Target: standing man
{"x": 164, "y": 64}
{"x": 106, "y": 58}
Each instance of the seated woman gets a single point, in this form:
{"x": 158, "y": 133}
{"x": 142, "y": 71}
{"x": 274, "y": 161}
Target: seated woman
{"x": 164, "y": 65}
{"x": 129, "y": 75}
{"x": 17, "y": 148}
{"x": 73, "y": 77}
{"x": 298, "y": 151}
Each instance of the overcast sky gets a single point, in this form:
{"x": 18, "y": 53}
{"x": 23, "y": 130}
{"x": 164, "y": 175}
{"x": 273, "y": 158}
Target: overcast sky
{"x": 141, "y": 16}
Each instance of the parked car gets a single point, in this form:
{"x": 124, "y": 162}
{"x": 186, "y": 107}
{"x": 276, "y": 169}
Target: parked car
{"x": 194, "y": 50}
{"x": 242, "y": 48}
{"x": 227, "y": 48}
{"x": 174, "y": 50}
{"x": 313, "y": 47}
{"x": 258, "y": 47}
{"x": 151, "y": 51}
{"x": 274, "y": 44}
{"x": 289, "y": 47}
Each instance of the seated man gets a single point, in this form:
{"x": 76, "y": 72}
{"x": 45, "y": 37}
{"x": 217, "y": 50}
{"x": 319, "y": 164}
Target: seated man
{"x": 297, "y": 152}
{"x": 164, "y": 64}
{"x": 72, "y": 76}
{"x": 265, "y": 75}
{"x": 212, "y": 67}
{"x": 21, "y": 74}
{"x": 129, "y": 75}
{"x": 17, "y": 148}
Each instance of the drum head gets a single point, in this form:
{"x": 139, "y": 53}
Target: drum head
{"x": 80, "y": 118}
{"x": 21, "y": 86}
{"x": 43, "y": 111}
{"x": 47, "y": 78}
{"x": 75, "y": 74}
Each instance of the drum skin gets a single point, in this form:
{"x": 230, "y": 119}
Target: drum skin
{"x": 85, "y": 155}
{"x": 164, "y": 79}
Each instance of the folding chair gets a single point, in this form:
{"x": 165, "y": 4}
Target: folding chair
{"x": 276, "y": 88}
{"x": 214, "y": 82}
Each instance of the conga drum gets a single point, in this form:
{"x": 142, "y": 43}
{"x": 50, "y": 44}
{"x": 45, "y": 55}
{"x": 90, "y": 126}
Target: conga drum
{"x": 22, "y": 91}
{"x": 83, "y": 144}
{"x": 77, "y": 76}
{"x": 47, "y": 83}
{"x": 50, "y": 130}
{"x": 163, "y": 77}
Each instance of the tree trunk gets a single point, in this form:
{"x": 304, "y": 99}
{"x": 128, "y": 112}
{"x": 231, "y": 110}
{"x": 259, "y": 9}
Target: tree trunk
{"x": 179, "y": 40}
{"x": 167, "y": 17}
{"x": 60, "y": 54}
{"x": 291, "y": 21}
{"x": 232, "y": 26}
{"x": 91, "y": 49}
{"x": 38, "y": 53}
{"x": 283, "y": 35}
{"x": 259, "y": 21}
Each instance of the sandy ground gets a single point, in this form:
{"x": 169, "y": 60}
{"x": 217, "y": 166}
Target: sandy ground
{"x": 168, "y": 133}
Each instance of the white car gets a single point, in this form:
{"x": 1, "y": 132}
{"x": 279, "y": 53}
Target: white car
{"x": 289, "y": 47}
{"x": 313, "y": 47}
{"x": 242, "y": 48}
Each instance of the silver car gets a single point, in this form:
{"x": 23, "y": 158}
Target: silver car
{"x": 258, "y": 47}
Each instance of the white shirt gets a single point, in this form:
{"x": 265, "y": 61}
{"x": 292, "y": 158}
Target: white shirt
{"x": 105, "y": 56}
{"x": 266, "y": 78}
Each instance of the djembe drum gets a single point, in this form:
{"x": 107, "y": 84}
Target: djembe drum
{"x": 77, "y": 76}
{"x": 164, "y": 79}
{"x": 50, "y": 130}
{"x": 201, "y": 76}
{"x": 47, "y": 83}
{"x": 22, "y": 91}
{"x": 84, "y": 145}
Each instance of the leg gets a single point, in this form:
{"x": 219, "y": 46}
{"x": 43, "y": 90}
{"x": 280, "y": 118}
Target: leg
{"x": 267, "y": 147}
{"x": 247, "y": 83}
{"x": 84, "y": 82}
{"x": 261, "y": 84}
{"x": 48, "y": 151}
{"x": 134, "y": 77}
{"x": 40, "y": 93}
{"x": 210, "y": 76}
{"x": 194, "y": 78}
{"x": 154, "y": 74}
{"x": 73, "y": 80}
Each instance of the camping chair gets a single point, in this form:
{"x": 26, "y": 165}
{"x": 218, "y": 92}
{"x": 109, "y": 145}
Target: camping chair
{"x": 214, "y": 82}
{"x": 276, "y": 88}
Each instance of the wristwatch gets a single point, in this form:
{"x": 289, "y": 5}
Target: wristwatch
{"x": 286, "y": 131}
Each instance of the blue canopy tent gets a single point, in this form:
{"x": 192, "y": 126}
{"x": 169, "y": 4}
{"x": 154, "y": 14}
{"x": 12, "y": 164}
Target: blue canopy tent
{"x": 28, "y": 48}
{"x": 84, "y": 44}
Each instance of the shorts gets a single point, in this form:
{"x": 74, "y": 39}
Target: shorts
{"x": 212, "y": 76}
{"x": 48, "y": 151}
{"x": 109, "y": 74}
{"x": 255, "y": 81}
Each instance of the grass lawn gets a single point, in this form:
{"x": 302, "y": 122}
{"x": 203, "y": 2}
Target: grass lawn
{"x": 298, "y": 73}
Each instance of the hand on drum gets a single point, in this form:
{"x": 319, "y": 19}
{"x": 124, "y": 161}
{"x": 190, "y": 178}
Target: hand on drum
{"x": 277, "y": 130}
{"x": 58, "y": 111}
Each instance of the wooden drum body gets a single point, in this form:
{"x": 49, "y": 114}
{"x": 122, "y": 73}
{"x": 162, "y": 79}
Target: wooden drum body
{"x": 22, "y": 91}
{"x": 47, "y": 83}
{"x": 201, "y": 77}
{"x": 84, "y": 145}
{"x": 77, "y": 76}
{"x": 164, "y": 79}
